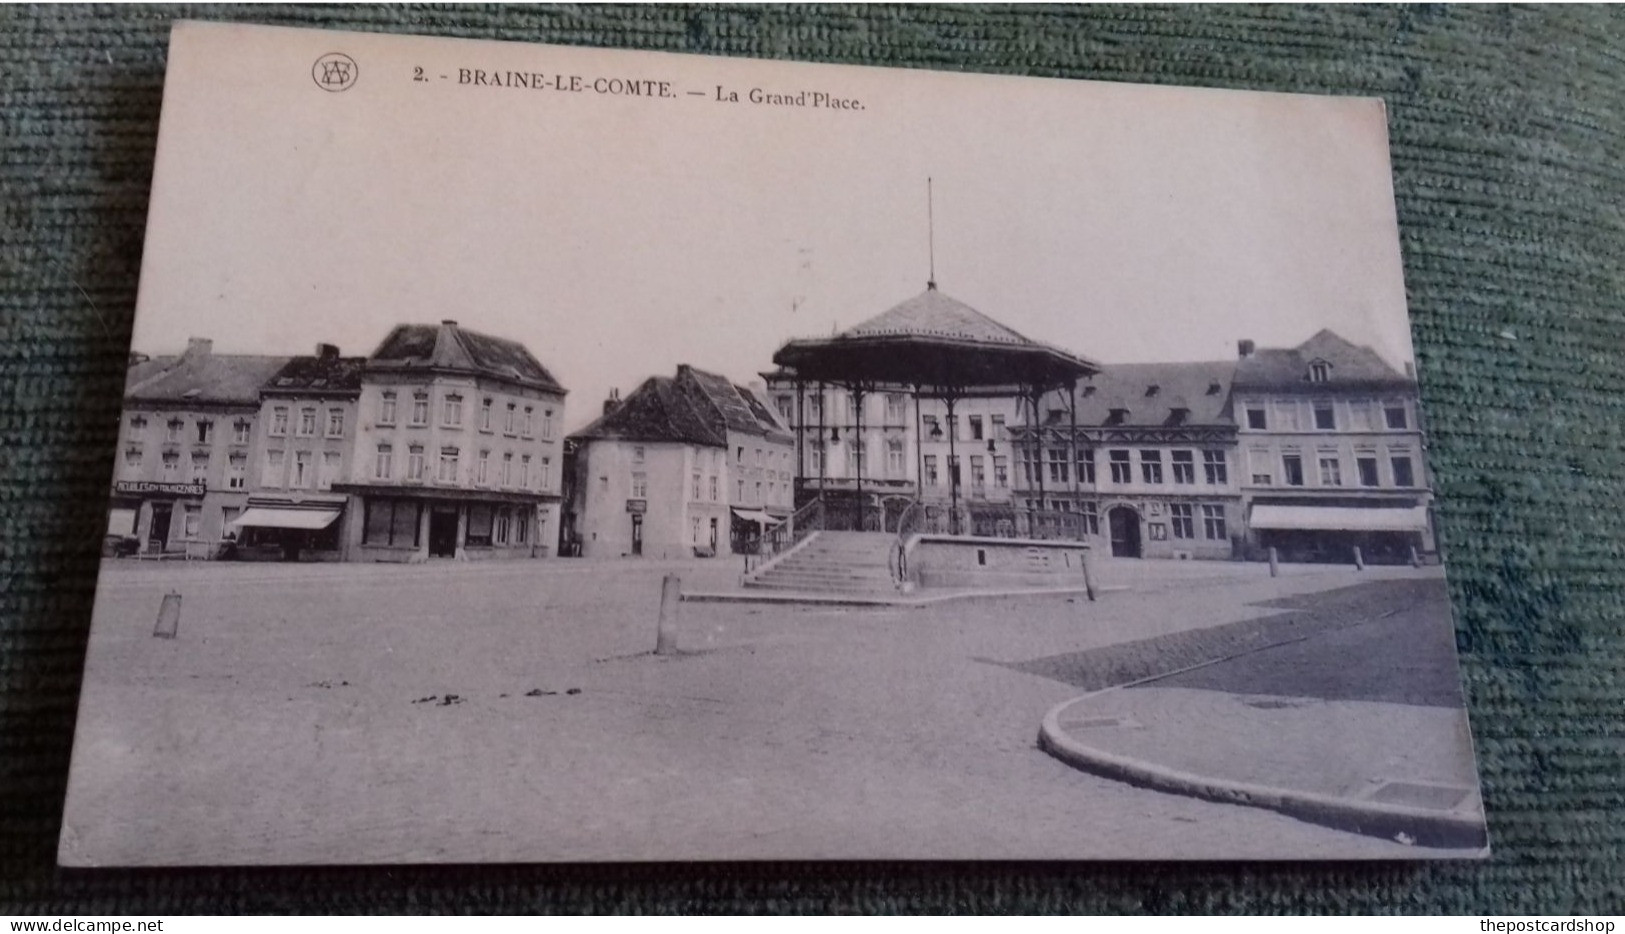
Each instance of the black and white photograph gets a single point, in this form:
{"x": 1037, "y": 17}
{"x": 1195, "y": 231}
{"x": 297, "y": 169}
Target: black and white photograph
{"x": 547, "y": 454}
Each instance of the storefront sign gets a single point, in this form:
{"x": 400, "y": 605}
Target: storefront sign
{"x": 637, "y": 505}
{"x": 153, "y": 486}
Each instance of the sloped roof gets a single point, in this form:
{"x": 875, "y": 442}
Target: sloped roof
{"x": 658, "y": 410}
{"x": 205, "y": 378}
{"x": 719, "y": 393}
{"x": 934, "y": 314}
{"x": 331, "y": 374}
{"x": 1202, "y": 389}
{"x": 447, "y": 346}
{"x": 1351, "y": 364}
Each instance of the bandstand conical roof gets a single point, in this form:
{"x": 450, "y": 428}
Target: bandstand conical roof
{"x": 933, "y": 340}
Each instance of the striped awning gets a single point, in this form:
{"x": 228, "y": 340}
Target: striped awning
{"x": 1340, "y": 518}
{"x": 266, "y": 517}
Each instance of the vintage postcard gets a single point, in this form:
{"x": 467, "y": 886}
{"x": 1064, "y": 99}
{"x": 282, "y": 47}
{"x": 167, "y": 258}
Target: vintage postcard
{"x": 557, "y": 454}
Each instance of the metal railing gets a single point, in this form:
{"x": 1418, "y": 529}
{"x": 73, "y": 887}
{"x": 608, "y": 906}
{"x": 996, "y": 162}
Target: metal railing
{"x": 787, "y": 534}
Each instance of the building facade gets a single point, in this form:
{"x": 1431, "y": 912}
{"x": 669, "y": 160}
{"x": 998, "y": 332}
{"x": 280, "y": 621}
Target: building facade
{"x": 457, "y": 450}
{"x": 685, "y": 465}
{"x": 187, "y": 444}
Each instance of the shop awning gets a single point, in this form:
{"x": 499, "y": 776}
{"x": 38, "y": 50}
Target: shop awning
{"x": 266, "y": 517}
{"x": 1340, "y": 518}
{"x": 756, "y": 516}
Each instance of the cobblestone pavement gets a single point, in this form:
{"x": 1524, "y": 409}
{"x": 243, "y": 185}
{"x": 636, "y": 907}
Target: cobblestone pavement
{"x": 513, "y": 713}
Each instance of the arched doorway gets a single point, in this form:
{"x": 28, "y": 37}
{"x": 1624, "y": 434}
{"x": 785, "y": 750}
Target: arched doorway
{"x": 1125, "y": 531}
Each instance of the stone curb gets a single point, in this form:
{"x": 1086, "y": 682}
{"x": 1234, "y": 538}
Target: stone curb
{"x": 1417, "y": 826}
{"x": 818, "y": 599}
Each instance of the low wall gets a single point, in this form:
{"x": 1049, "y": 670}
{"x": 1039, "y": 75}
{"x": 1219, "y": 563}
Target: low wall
{"x": 963, "y": 561}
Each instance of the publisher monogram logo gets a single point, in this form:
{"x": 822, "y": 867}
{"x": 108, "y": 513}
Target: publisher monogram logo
{"x": 335, "y": 71}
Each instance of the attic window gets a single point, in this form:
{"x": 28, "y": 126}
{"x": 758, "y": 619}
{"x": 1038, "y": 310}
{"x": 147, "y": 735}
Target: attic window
{"x": 1214, "y": 388}
{"x": 1152, "y": 390}
{"x": 1177, "y": 415}
{"x": 1319, "y": 371}
{"x": 1088, "y": 391}
{"x": 1116, "y": 416}
{"x": 284, "y": 381}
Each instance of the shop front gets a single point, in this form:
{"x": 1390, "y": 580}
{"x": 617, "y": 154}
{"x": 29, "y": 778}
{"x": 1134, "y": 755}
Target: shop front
{"x": 149, "y": 517}
{"x": 280, "y": 528}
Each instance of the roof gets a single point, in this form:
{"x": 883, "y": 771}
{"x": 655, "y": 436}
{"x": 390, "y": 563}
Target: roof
{"x": 710, "y": 389}
{"x": 932, "y": 340}
{"x": 447, "y": 346}
{"x": 318, "y": 374}
{"x": 203, "y": 378}
{"x": 658, "y": 410}
{"x": 1148, "y": 394}
{"x": 1288, "y": 368}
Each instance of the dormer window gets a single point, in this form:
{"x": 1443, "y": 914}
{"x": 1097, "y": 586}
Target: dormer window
{"x": 1088, "y": 391}
{"x": 1116, "y": 416}
{"x": 1178, "y": 415}
{"x": 1152, "y": 390}
{"x": 1214, "y": 388}
{"x": 1320, "y": 371}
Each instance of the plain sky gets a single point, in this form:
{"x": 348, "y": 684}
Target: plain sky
{"x": 618, "y": 236}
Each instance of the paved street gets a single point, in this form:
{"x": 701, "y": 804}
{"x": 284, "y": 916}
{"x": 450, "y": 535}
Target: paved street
{"x": 512, "y": 712}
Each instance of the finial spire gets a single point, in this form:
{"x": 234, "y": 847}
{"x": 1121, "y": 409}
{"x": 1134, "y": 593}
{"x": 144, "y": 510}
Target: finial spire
{"x": 930, "y": 233}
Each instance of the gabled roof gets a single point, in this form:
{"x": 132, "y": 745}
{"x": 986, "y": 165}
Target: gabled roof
{"x": 203, "y": 378}
{"x": 318, "y": 374}
{"x": 1351, "y": 365}
{"x": 719, "y": 393}
{"x": 1201, "y": 390}
{"x": 449, "y": 347}
{"x": 658, "y": 410}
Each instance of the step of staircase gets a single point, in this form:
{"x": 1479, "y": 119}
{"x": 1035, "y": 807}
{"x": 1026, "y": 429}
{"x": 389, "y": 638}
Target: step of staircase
{"x": 833, "y": 562}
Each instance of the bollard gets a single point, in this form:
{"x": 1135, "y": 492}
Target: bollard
{"x": 1088, "y": 578}
{"x": 671, "y": 592}
{"x": 1275, "y": 563}
{"x": 169, "y": 617}
{"x": 1359, "y": 559}
{"x": 1416, "y": 559}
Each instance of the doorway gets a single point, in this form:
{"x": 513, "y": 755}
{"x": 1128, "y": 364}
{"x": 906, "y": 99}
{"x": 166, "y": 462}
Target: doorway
{"x": 443, "y": 533}
{"x": 713, "y": 535}
{"x": 637, "y": 534}
{"x": 158, "y": 533}
{"x": 1125, "y": 531}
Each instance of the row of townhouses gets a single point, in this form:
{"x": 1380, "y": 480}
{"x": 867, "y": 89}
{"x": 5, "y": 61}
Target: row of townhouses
{"x": 443, "y": 443}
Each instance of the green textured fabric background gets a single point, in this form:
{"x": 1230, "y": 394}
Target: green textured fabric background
{"x": 1506, "y": 126}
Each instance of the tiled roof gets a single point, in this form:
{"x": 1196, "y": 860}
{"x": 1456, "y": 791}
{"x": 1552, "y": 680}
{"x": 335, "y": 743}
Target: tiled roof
{"x": 1272, "y": 367}
{"x": 658, "y": 410}
{"x": 719, "y": 393}
{"x": 933, "y": 314}
{"x": 320, "y": 374}
{"x": 205, "y": 378}
{"x": 447, "y": 346}
{"x": 1152, "y": 394}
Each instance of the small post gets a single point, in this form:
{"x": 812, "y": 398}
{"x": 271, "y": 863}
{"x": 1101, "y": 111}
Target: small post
{"x": 1088, "y": 577}
{"x": 1416, "y": 557}
{"x": 169, "y": 617}
{"x": 671, "y": 593}
{"x": 1275, "y": 562}
{"x": 1359, "y": 559}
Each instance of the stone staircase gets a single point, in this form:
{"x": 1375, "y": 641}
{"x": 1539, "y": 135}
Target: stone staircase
{"x": 832, "y": 562}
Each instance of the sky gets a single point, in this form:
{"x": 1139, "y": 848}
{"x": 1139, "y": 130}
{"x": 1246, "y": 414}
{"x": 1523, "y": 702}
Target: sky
{"x": 617, "y": 236}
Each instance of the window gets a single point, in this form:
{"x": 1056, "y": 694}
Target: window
{"x": 739, "y": 491}
{"x": 132, "y": 461}
{"x": 307, "y": 421}
{"x": 1287, "y": 416}
{"x": 1184, "y": 463}
{"x": 638, "y": 454}
{"x": 696, "y": 486}
{"x": 975, "y": 427}
{"x": 1403, "y": 476}
{"x": 508, "y": 418}
{"x": 521, "y": 526}
{"x": 193, "y": 520}
{"x": 1214, "y": 467}
{"x": 1213, "y": 523}
{"x": 547, "y": 424}
{"x": 780, "y": 402}
{"x": 507, "y": 468}
{"x": 1396, "y": 415}
{"x": 448, "y": 466}
{"x": 228, "y": 515}
{"x": 1001, "y": 472}
{"x": 138, "y": 428}
{"x": 978, "y": 472}
{"x": 1367, "y": 466}
{"x": 330, "y": 470}
{"x": 240, "y": 430}
{"x": 301, "y": 469}
{"x": 499, "y": 531}
{"x": 273, "y": 468}
{"x": 479, "y": 525}
{"x": 482, "y": 468}
{"x": 854, "y": 457}
{"x": 931, "y": 470}
{"x": 854, "y": 406}
{"x": 1086, "y": 465}
{"x": 1331, "y": 472}
{"x": 758, "y": 492}
{"x": 237, "y": 472}
{"x": 931, "y": 426}
{"x": 414, "y": 462}
{"x": 1319, "y": 371}
{"x": 739, "y": 456}
{"x": 386, "y": 409}
{"x": 894, "y": 458}
{"x": 200, "y": 467}
{"x": 1262, "y": 479}
{"x": 544, "y": 479}
{"x": 383, "y": 465}
{"x": 172, "y": 465}
{"x": 451, "y": 411}
{"x": 524, "y": 471}
{"x": 997, "y": 425}
{"x": 896, "y": 408}
{"x": 485, "y": 414}
{"x": 1151, "y": 466}
{"x": 758, "y": 457}
{"x": 1292, "y": 469}
{"x": 1256, "y": 420}
{"x": 205, "y": 431}
{"x": 176, "y": 429}
{"x": 527, "y": 427}
{"x": 1182, "y": 516}
{"x": 1325, "y": 417}
{"x": 279, "y": 421}
{"x": 1122, "y": 470}
{"x": 390, "y": 522}
{"x": 1059, "y": 465}
{"x": 713, "y": 488}
{"x": 335, "y": 422}
{"x": 694, "y": 531}
{"x": 420, "y": 408}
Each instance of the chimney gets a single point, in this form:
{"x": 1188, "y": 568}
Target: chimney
{"x": 1244, "y": 349}
{"x": 613, "y": 400}
{"x": 198, "y": 347}
{"x": 327, "y": 351}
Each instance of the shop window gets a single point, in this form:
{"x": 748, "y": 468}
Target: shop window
{"x": 390, "y": 522}
{"x": 521, "y": 526}
{"x": 192, "y": 518}
{"x": 479, "y": 525}
{"x": 499, "y": 530}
